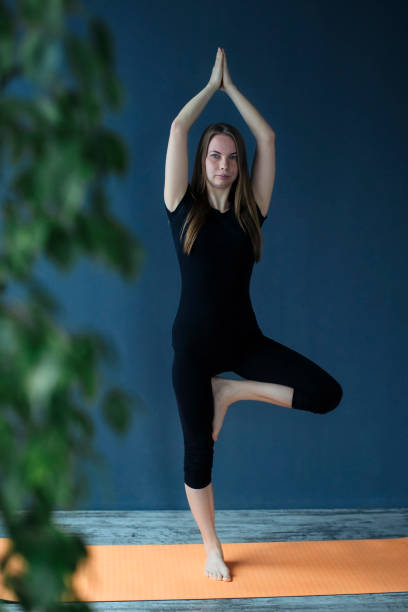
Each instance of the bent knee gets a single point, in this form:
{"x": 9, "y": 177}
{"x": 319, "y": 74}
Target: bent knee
{"x": 330, "y": 400}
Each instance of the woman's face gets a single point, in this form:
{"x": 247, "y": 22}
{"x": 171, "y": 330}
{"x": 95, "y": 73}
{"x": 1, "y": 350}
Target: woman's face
{"x": 221, "y": 162}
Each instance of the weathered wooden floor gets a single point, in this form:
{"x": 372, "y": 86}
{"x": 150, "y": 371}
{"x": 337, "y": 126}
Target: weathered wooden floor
{"x": 178, "y": 526}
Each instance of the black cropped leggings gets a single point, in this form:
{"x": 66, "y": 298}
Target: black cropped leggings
{"x": 259, "y": 358}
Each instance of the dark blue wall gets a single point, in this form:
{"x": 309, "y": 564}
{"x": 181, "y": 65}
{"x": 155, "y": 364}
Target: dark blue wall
{"x": 330, "y": 78}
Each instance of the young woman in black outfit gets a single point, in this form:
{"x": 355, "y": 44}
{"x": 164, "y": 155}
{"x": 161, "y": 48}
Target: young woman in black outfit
{"x": 216, "y": 227}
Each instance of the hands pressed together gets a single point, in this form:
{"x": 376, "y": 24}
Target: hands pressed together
{"x": 220, "y": 76}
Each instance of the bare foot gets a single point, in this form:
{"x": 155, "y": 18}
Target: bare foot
{"x": 214, "y": 564}
{"x": 220, "y": 387}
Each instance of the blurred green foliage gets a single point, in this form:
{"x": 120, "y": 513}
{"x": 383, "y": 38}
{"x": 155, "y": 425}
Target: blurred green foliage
{"x": 56, "y": 155}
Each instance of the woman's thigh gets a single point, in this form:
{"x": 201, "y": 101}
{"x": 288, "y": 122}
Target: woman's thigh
{"x": 266, "y": 360}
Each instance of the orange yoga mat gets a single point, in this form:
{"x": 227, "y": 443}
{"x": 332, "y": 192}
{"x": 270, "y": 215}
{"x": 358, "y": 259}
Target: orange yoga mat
{"x": 258, "y": 569}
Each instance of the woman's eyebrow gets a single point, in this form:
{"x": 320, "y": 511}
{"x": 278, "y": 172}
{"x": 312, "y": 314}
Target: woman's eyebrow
{"x": 214, "y": 151}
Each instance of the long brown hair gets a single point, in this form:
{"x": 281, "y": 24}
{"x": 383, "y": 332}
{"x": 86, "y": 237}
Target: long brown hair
{"x": 241, "y": 191}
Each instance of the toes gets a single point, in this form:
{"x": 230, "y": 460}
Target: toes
{"x": 218, "y": 576}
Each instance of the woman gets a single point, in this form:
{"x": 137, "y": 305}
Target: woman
{"x": 215, "y": 223}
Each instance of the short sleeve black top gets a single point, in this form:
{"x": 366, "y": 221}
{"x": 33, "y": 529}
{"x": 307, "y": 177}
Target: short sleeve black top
{"x": 215, "y": 298}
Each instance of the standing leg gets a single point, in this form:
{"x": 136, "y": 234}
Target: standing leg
{"x": 192, "y": 385}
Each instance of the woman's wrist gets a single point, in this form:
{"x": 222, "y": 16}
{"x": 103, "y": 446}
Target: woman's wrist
{"x": 229, "y": 88}
{"x": 211, "y": 87}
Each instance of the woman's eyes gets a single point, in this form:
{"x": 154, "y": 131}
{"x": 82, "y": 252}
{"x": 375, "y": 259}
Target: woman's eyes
{"x": 234, "y": 156}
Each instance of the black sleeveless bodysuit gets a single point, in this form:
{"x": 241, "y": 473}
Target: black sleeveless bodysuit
{"x": 215, "y": 303}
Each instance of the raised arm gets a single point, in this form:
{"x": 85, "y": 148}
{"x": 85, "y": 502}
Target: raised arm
{"x": 264, "y": 164}
{"x": 176, "y": 173}
{"x": 256, "y": 123}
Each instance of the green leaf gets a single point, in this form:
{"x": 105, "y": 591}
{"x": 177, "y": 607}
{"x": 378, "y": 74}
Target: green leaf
{"x": 81, "y": 59}
{"x": 101, "y": 39}
{"x": 7, "y": 34}
{"x": 116, "y": 410}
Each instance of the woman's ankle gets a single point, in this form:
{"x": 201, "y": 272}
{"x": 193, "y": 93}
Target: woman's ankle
{"x": 211, "y": 543}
